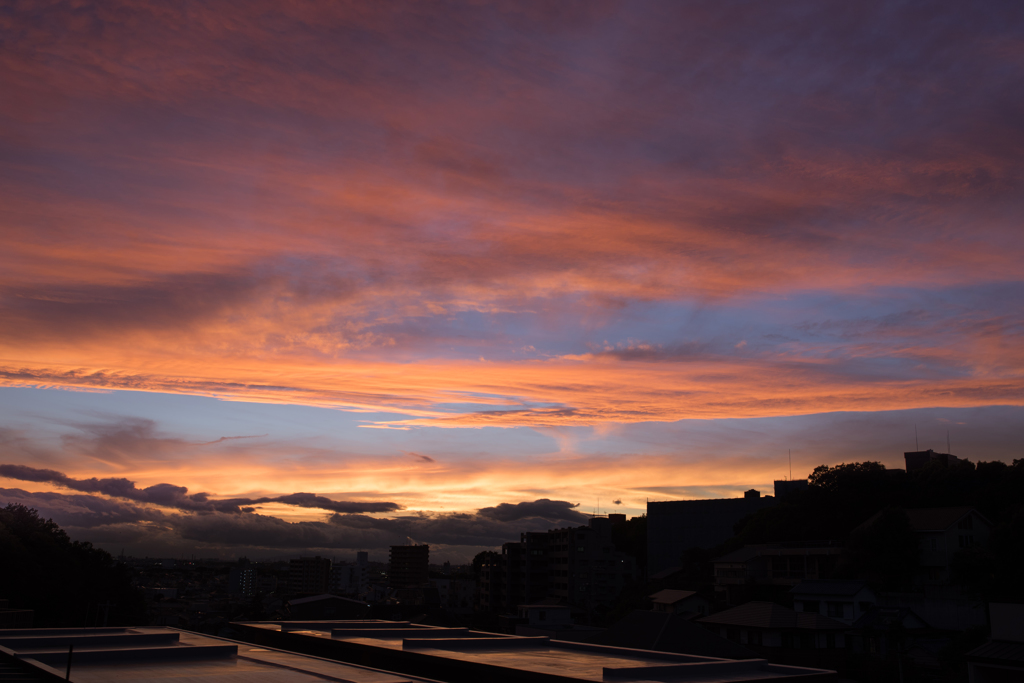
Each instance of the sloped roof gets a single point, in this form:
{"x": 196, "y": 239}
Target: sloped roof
{"x": 769, "y": 615}
{"x": 938, "y": 519}
{"x": 663, "y": 632}
{"x": 886, "y": 617}
{"x": 671, "y": 597}
{"x": 829, "y": 587}
{"x": 325, "y": 596}
{"x": 744, "y": 554}
{"x": 999, "y": 651}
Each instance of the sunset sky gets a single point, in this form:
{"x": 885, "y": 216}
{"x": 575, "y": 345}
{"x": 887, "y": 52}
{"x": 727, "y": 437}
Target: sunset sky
{"x": 468, "y": 269}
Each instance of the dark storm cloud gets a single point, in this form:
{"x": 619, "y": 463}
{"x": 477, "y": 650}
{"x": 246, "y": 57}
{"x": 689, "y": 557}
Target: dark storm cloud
{"x": 83, "y": 511}
{"x": 544, "y": 508}
{"x": 169, "y": 495}
{"x": 103, "y": 520}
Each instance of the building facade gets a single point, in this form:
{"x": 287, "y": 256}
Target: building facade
{"x": 673, "y": 527}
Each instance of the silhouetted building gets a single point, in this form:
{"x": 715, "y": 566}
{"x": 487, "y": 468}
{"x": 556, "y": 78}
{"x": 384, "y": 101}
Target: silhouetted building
{"x": 782, "y": 635}
{"x": 351, "y": 578}
{"x": 410, "y": 566}
{"x": 309, "y": 575}
{"x": 917, "y": 460}
{"x": 773, "y": 564}
{"x": 784, "y": 487}
{"x": 242, "y": 579}
{"x": 673, "y": 527}
{"x": 680, "y": 602}
{"x": 576, "y": 566}
{"x": 941, "y": 533}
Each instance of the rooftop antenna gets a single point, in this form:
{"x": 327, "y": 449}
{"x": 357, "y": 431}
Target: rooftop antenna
{"x": 916, "y": 444}
{"x": 948, "y": 450}
{"x": 791, "y": 464}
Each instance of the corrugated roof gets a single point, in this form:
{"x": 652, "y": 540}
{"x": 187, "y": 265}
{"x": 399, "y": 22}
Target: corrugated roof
{"x": 829, "y": 587}
{"x": 670, "y": 597}
{"x": 744, "y": 554}
{"x": 1002, "y": 650}
{"x": 769, "y": 615}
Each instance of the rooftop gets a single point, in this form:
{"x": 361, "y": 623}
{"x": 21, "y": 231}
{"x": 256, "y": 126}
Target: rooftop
{"x": 461, "y": 654}
{"x": 670, "y": 597}
{"x": 102, "y": 655}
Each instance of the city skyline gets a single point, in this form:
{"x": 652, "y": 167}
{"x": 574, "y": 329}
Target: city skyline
{"x": 457, "y": 271}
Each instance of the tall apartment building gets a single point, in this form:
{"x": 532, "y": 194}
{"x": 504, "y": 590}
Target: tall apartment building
{"x": 409, "y": 566}
{"x": 673, "y": 527}
{"x": 242, "y": 579}
{"x": 311, "y": 575}
{"x": 578, "y": 566}
{"x": 353, "y": 579}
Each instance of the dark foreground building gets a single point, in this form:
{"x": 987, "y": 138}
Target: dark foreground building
{"x": 459, "y": 655}
{"x": 675, "y": 526}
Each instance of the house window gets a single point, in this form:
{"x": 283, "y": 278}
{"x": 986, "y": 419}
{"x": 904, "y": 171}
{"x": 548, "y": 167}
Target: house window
{"x": 753, "y": 637}
{"x": 811, "y": 606}
{"x": 543, "y": 615}
{"x": 865, "y": 606}
{"x": 966, "y": 541}
{"x": 835, "y": 609}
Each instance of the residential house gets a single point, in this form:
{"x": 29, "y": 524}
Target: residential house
{"x": 1001, "y": 659}
{"x": 780, "y": 634}
{"x": 680, "y": 602}
{"x": 839, "y": 599}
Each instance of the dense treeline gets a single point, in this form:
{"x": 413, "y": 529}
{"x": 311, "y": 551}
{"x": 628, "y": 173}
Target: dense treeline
{"x": 66, "y": 583}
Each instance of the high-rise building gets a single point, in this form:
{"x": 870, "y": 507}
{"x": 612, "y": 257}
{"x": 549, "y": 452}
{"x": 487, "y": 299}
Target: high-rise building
{"x": 409, "y": 566}
{"x": 242, "y": 580}
{"x": 578, "y": 566}
{"x": 310, "y": 575}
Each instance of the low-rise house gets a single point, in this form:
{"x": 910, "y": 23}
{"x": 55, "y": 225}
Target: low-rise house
{"x": 782, "y": 635}
{"x": 942, "y": 532}
{"x": 680, "y": 602}
{"x": 1002, "y": 657}
{"x": 774, "y": 564}
{"x": 839, "y": 599}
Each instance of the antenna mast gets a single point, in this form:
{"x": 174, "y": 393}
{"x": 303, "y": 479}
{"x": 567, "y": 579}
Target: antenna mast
{"x": 916, "y": 444}
{"x": 948, "y": 450}
{"x": 791, "y": 464}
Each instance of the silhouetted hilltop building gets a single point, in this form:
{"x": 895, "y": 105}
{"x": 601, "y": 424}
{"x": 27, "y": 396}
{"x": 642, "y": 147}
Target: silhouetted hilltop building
{"x": 675, "y": 526}
{"x": 409, "y": 566}
{"x": 309, "y": 575}
{"x": 917, "y": 460}
{"x": 784, "y": 487}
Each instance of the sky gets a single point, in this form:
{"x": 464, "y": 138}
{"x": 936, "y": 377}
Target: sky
{"x": 285, "y": 278}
